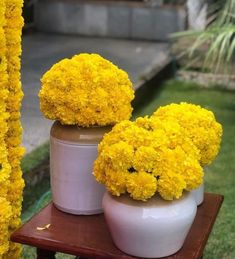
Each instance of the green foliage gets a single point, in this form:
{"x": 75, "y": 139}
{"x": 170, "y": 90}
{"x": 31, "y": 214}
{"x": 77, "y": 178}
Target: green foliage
{"x": 35, "y": 158}
{"x": 34, "y": 176}
{"x": 30, "y": 253}
{"x": 37, "y": 206}
{"x": 219, "y": 37}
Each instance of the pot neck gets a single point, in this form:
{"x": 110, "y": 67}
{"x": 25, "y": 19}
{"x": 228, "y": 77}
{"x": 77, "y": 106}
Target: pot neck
{"x": 77, "y": 134}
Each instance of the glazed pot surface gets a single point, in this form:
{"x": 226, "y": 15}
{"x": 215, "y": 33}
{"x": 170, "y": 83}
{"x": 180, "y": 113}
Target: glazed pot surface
{"x": 198, "y": 194}
{"x": 155, "y": 228}
{"x": 73, "y": 151}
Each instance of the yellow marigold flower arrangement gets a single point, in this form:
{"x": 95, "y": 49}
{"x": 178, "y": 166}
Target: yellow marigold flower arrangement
{"x": 146, "y": 157}
{"x": 86, "y": 90}
{"x": 199, "y": 124}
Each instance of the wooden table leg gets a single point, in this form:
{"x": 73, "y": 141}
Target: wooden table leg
{"x": 45, "y": 254}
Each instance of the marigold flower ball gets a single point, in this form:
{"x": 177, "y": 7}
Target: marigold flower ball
{"x": 199, "y": 125}
{"x": 162, "y": 154}
{"x": 144, "y": 158}
{"x": 86, "y": 90}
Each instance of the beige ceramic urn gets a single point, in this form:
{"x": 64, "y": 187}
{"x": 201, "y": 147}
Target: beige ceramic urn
{"x": 73, "y": 151}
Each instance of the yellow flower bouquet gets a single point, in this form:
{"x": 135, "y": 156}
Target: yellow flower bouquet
{"x": 160, "y": 154}
{"x": 86, "y": 90}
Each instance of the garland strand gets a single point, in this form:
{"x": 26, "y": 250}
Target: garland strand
{"x": 11, "y": 182}
{"x": 5, "y": 208}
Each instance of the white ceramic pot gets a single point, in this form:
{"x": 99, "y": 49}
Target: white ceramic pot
{"x": 155, "y": 228}
{"x": 72, "y": 154}
{"x": 198, "y": 194}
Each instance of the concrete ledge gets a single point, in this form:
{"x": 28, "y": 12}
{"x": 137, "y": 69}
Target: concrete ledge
{"x": 130, "y": 20}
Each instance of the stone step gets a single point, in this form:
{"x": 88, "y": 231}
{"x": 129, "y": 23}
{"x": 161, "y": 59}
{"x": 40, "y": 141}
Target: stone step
{"x": 117, "y": 19}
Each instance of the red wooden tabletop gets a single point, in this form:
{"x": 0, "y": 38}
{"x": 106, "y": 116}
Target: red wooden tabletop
{"x": 88, "y": 236}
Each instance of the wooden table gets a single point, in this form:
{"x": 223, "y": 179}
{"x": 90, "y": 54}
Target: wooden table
{"x": 88, "y": 236}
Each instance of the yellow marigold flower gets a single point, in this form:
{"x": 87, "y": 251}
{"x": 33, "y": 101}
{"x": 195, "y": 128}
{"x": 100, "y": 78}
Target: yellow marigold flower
{"x": 176, "y": 135}
{"x": 171, "y": 186}
{"x": 16, "y": 190}
{"x": 99, "y": 170}
{"x": 4, "y": 188}
{"x": 178, "y": 162}
{"x": 5, "y": 217}
{"x": 117, "y": 135}
{"x": 116, "y": 183}
{"x": 15, "y": 251}
{"x": 145, "y": 159}
{"x": 15, "y": 128}
{"x": 86, "y": 90}
{"x": 142, "y": 185}
{"x": 3, "y": 95}
{"x": 15, "y": 155}
{"x": 192, "y": 173}
{"x": 11, "y": 95}
{"x": 157, "y": 154}
{"x": 4, "y": 170}
{"x": 16, "y": 221}
{"x": 15, "y": 115}
{"x": 200, "y": 126}
{"x": 13, "y": 141}
{"x": 119, "y": 156}
{"x": 144, "y": 122}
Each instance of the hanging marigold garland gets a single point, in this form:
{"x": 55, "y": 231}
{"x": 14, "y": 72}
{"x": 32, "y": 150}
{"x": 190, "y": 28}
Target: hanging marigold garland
{"x": 4, "y": 165}
{"x": 5, "y": 208}
{"x": 11, "y": 182}
{"x": 5, "y": 216}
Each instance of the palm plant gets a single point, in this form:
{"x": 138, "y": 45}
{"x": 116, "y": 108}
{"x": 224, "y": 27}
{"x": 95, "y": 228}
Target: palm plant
{"x": 219, "y": 37}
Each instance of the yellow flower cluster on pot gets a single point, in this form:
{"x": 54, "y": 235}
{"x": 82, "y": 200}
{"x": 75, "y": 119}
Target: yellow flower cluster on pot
{"x": 146, "y": 157}
{"x": 11, "y": 182}
{"x": 160, "y": 154}
{"x": 86, "y": 90}
{"x": 200, "y": 126}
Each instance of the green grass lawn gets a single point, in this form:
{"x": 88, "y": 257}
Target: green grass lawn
{"x": 220, "y": 176}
